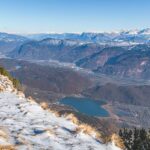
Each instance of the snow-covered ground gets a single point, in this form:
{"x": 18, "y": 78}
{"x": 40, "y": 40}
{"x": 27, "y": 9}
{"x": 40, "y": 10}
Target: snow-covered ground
{"x": 27, "y": 126}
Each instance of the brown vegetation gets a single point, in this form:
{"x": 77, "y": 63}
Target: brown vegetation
{"x": 7, "y": 147}
{"x": 15, "y": 82}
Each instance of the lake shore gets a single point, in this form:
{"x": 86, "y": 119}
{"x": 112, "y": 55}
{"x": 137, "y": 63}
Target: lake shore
{"x": 109, "y": 109}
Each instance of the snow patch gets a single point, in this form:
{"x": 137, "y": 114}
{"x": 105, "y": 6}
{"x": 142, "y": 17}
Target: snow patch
{"x": 29, "y": 126}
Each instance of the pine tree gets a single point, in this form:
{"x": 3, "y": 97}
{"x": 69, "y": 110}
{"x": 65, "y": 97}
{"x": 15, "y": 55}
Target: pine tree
{"x": 135, "y": 139}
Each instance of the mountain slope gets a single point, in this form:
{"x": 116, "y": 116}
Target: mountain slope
{"x": 26, "y": 125}
{"x": 9, "y": 42}
{"x": 100, "y": 58}
{"x": 56, "y": 49}
{"x": 134, "y": 63}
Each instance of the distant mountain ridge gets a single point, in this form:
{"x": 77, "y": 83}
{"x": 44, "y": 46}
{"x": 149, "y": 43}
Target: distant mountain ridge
{"x": 56, "y": 49}
{"x": 122, "y": 61}
{"x": 8, "y": 42}
{"x": 121, "y": 37}
{"x": 11, "y": 37}
{"x": 118, "y": 38}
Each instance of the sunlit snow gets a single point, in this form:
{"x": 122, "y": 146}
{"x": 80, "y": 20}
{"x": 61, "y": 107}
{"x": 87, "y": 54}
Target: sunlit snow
{"x": 25, "y": 125}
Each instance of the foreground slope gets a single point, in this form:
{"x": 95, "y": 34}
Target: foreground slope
{"x": 26, "y": 125}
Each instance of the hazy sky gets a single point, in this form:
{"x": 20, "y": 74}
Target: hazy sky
{"x": 38, "y": 16}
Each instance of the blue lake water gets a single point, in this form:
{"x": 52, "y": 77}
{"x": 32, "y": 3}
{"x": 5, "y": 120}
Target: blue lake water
{"x": 85, "y": 105}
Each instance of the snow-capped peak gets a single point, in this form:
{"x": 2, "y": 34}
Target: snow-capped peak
{"x": 133, "y": 32}
{"x": 51, "y": 41}
{"x": 145, "y": 31}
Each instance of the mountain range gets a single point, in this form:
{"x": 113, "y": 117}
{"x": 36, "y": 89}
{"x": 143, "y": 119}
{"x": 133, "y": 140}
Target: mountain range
{"x": 122, "y": 54}
{"x": 113, "y": 38}
{"x": 123, "y": 61}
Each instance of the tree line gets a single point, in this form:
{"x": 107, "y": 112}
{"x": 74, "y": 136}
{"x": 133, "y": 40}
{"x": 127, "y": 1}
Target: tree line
{"x": 135, "y": 139}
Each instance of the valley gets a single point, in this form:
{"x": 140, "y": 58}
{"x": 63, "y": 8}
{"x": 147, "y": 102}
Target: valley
{"x": 55, "y": 68}
{"x": 121, "y": 96}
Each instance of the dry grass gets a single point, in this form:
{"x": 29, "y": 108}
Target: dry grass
{"x": 7, "y": 147}
{"x": 31, "y": 100}
{"x": 54, "y": 112}
{"x": 73, "y": 118}
{"x": 1, "y": 89}
{"x": 44, "y": 105}
{"x": 20, "y": 93}
{"x": 3, "y": 134}
{"x": 118, "y": 141}
{"x": 87, "y": 129}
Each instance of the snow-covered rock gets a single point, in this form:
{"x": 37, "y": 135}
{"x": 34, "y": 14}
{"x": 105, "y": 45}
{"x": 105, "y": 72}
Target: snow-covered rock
{"x": 5, "y": 37}
{"x": 24, "y": 124}
{"x": 145, "y": 31}
{"x": 56, "y": 42}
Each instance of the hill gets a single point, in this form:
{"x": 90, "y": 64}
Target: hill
{"x": 25, "y": 124}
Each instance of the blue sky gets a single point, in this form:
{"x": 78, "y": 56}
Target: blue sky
{"x": 39, "y": 16}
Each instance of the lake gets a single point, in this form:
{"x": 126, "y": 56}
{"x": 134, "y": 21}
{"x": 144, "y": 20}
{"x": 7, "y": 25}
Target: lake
{"x": 85, "y": 105}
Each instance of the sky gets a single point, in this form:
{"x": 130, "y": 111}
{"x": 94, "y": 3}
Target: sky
{"x": 59, "y": 16}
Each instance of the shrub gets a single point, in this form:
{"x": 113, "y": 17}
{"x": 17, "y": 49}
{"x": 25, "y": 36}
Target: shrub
{"x": 15, "y": 82}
